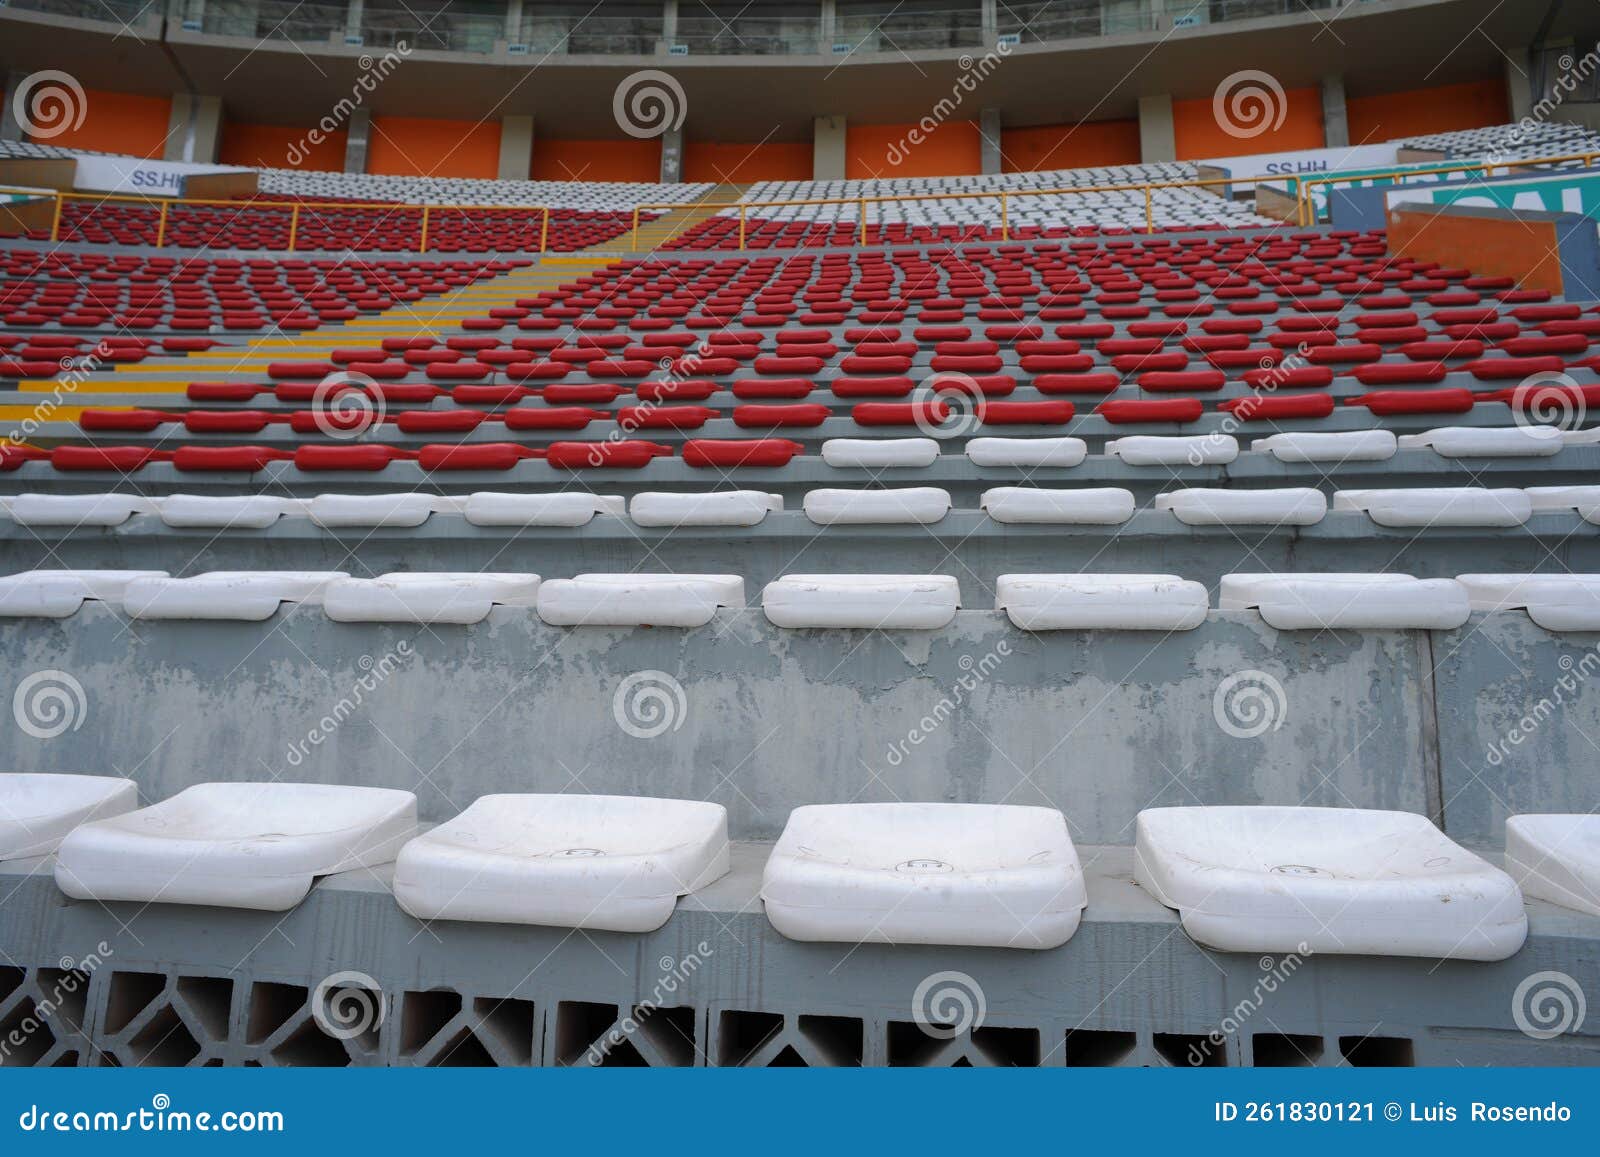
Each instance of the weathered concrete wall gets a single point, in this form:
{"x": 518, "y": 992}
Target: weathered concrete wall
{"x": 1097, "y": 724}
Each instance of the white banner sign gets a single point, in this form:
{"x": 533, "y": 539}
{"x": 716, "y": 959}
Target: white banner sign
{"x": 1303, "y": 163}
{"x": 132, "y": 176}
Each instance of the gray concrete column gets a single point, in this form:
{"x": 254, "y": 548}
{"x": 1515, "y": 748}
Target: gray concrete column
{"x": 352, "y": 21}
{"x": 355, "y": 145}
{"x": 989, "y": 141}
{"x": 516, "y": 148}
{"x": 1157, "y": 137}
{"x": 828, "y": 149}
{"x": 672, "y": 156}
{"x": 1335, "y": 116}
{"x": 10, "y": 127}
{"x": 990, "y": 20}
{"x": 513, "y": 25}
{"x": 179, "y": 126}
{"x": 1519, "y": 82}
{"x": 828, "y": 17}
{"x": 669, "y": 20}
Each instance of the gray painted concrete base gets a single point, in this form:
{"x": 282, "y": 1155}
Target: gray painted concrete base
{"x": 717, "y": 985}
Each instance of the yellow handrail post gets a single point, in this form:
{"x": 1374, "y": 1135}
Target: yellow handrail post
{"x": 1004, "y": 221}
{"x": 161, "y": 225}
{"x": 634, "y": 244}
{"x": 422, "y": 245}
{"x": 294, "y": 226}
{"x": 1149, "y": 212}
{"x": 544, "y": 231}
{"x": 861, "y": 207}
{"x": 55, "y": 221}
{"x": 742, "y": 212}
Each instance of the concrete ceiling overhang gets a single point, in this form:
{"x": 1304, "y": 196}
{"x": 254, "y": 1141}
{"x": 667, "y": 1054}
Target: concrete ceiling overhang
{"x": 1378, "y": 47}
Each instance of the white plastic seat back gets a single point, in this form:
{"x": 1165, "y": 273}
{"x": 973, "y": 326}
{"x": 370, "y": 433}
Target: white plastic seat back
{"x": 862, "y": 601}
{"x": 490, "y": 508}
{"x": 1026, "y": 451}
{"x": 638, "y": 600}
{"x": 1557, "y": 602}
{"x": 916, "y": 504}
{"x": 1556, "y": 858}
{"x": 235, "y": 845}
{"x": 38, "y": 809}
{"x": 250, "y": 596}
{"x": 1293, "y": 506}
{"x": 1122, "y": 602}
{"x": 1308, "y": 601}
{"x": 333, "y": 511}
{"x": 880, "y": 452}
{"x": 616, "y": 863}
{"x": 1159, "y": 450}
{"x": 1334, "y": 880}
{"x": 77, "y": 509}
{"x": 56, "y": 594}
{"x": 990, "y": 875}
{"x": 717, "y": 508}
{"x": 1441, "y": 506}
{"x": 1096, "y": 506}
{"x": 1487, "y": 442}
{"x": 228, "y": 511}
{"x": 1585, "y": 500}
{"x": 1338, "y": 446}
{"x": 421, "y": 597}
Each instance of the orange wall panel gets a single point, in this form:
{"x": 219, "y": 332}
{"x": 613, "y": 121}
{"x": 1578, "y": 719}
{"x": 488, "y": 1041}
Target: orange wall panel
{"x": 1199, "y": 136}
{"x": 1427, "y": 110}
{"x": 115, "y": 122}
{"x": 742, "y": 163}
{"x": 421, "y": 147}
{"x": 952, "y": 149}
{"x": 1027, "y": 150}
{"x": 629, "y": 160}
{"x": 282, "y": 146}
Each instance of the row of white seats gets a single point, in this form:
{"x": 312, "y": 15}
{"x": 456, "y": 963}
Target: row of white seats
{"x": 1244, "y": 879}
{"x": 597, "y": 196}
{"x": 1032, "y": 602}
{"x": 1425, "y": 507}
{"x": 971, "y": 183}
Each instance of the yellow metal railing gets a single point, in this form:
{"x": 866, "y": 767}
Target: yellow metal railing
{"x": 165, "y": 205}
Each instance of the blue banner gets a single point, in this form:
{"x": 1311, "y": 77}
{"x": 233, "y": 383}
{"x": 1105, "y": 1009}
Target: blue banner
{"x": 877, "y": 1111}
